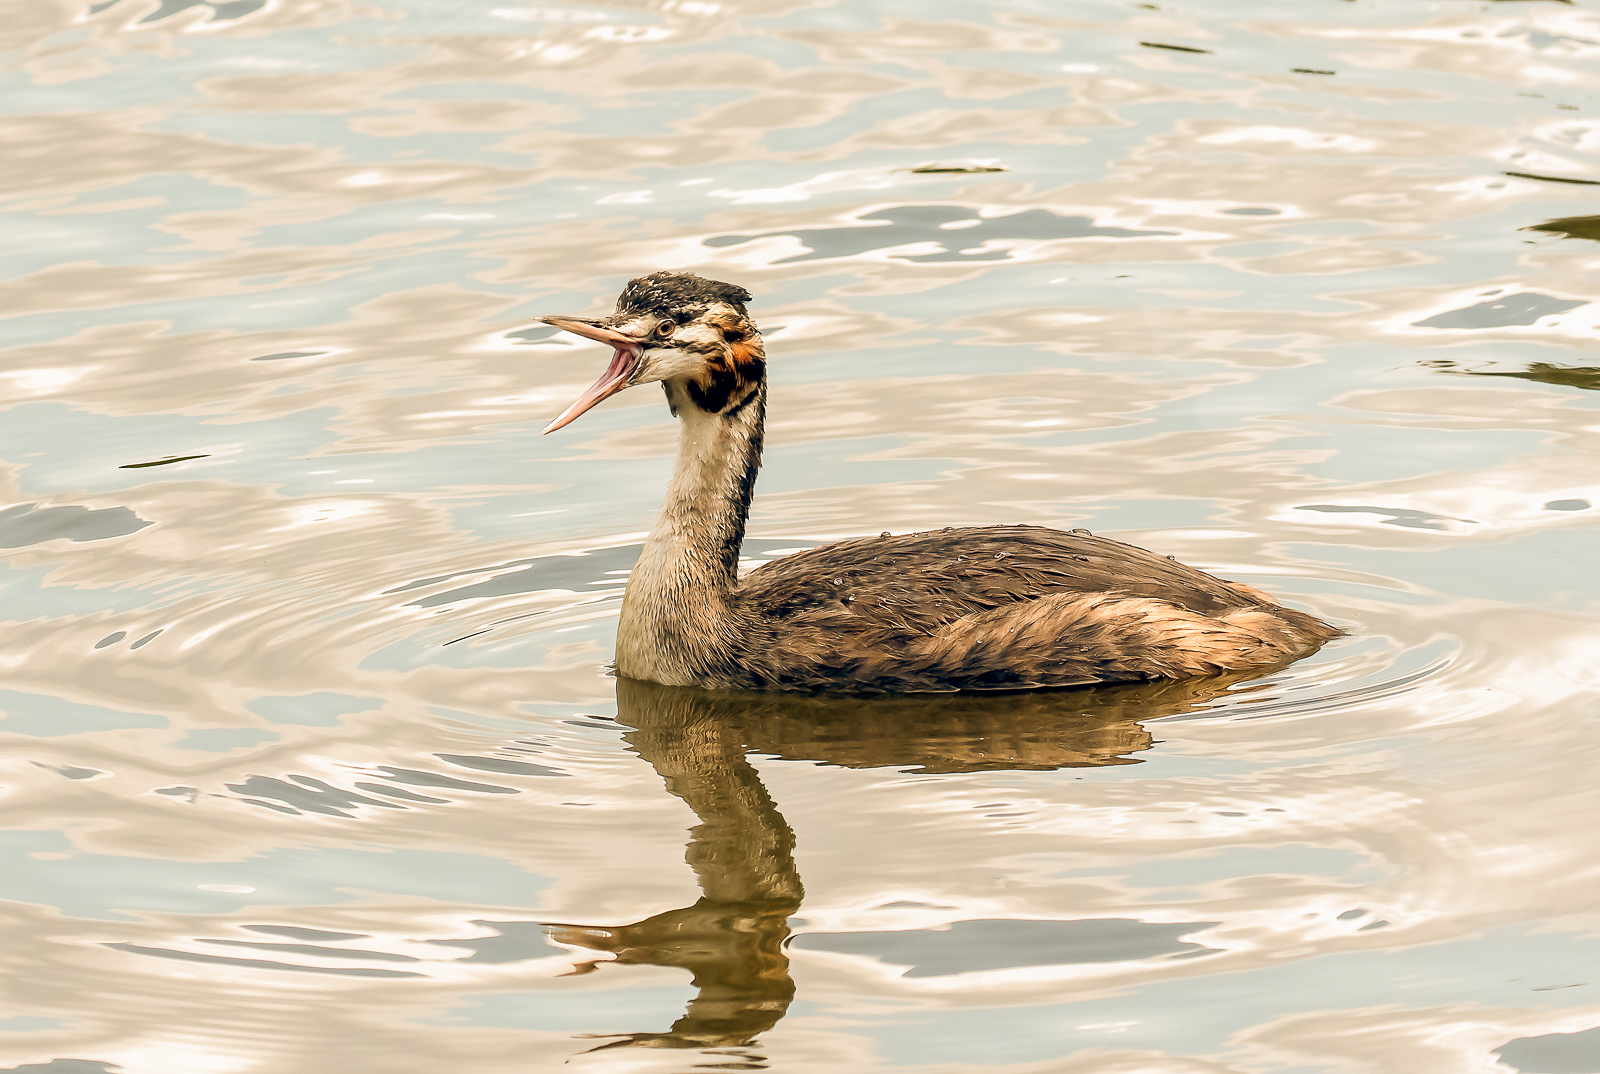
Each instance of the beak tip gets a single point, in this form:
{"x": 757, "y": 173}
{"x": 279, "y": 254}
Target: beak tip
{"x": 624, "y": 363}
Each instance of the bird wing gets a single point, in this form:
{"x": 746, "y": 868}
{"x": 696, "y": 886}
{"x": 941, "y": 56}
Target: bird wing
{"x": 1001, "y": 608}
{"x": 918, "y": 582}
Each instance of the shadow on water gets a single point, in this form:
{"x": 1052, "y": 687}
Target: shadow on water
{"x": 742, "y": 851}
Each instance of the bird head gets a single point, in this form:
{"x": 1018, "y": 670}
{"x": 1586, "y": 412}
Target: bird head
{"x": 690, "y": 333}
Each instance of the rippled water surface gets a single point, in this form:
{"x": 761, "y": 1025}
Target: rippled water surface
{"x": 311, "y": 763}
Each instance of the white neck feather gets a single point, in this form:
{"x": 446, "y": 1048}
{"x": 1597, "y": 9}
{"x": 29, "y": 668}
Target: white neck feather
{"x": 679, "y": 616}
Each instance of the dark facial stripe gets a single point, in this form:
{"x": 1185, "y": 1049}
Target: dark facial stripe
{"x": 746, "y": 401}
{"x": 712, "y": 397}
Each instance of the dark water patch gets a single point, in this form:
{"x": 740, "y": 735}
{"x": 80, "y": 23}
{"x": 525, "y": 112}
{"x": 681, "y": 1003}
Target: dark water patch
{"x": 1373, "y": 925}
{"x": 952, "y": 168}
{"x": 1518, "y": 309}
{"x": 1554, "y": 1053}
{"x": 1253, "y": 210}
{"x": 295, "y": 932}
{"x": 499, "y": 764}
{"x": 168, "y": 461}
{"x": 905, "y": 224}
{"x": 433, "y": 779}
{"x": 538, "y": 334}
{"x": 288, "y": 354}
{"x": 66, "y": 1066}
{"x": 1566, "y": 376}
{"x": 403, "y": 795}
{"x": 316, "y": 950}
{"x": 305, "y": 795}
{"x": 221, "y": 10}
{"x": 28, "y": 523}
{"x": 1006, "y": 943}
{"x": 146, "y": 640}
{"x": 1177, "y": 48}
{"x": 1404, "y": 517}
{"x": 512, "y": 941}
{"x": 1351, "y": 915}
{"x": 69, "y": 771}
{"x": 1568, "y": 505}
{"x": 111, "y": 639}
{"x": 257, "y": 964}
{"x": 1577, "y": 227}
{"x": 1553, "y": 178}
{"x": 910, "y": 904}
{"x": 235, "y": 9}
{"x": 1311, "y": 71}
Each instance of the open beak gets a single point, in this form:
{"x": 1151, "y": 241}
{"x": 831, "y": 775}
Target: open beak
{"x": 613, "y": 380}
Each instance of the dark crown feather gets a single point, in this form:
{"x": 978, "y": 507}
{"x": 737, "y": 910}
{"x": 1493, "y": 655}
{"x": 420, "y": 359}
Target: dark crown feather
{"x": 669, "y": 292}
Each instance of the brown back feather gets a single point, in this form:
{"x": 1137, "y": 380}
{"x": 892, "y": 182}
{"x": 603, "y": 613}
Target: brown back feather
{"x": 1000, "y": 607}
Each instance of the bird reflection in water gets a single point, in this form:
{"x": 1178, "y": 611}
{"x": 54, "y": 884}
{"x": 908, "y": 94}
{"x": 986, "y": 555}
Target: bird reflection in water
{"x": 742, "y": 851}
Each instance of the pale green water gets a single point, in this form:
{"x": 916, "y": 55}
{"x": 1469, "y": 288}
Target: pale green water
{"x": 307, "y": 738}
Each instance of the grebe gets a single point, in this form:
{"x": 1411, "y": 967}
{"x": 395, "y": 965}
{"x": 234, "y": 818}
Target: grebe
{"x": 970, "y": 608}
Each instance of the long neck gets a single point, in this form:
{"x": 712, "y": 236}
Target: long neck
{"x": 678, "y": 616}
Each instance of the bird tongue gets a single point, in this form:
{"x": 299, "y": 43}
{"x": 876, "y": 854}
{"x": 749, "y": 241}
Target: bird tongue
{"x": 612, "y": 381}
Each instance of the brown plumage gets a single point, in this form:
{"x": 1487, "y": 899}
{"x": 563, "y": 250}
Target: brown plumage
{"x": 972, "y": 608}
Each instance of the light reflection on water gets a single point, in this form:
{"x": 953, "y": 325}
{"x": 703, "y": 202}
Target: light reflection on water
{"x": 309, "y": 758}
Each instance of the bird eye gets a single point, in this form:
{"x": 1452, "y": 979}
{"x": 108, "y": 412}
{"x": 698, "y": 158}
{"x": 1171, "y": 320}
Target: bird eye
{"x": 664, "y": 329}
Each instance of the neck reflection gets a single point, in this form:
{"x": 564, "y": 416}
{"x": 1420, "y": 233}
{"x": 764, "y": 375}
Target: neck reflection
{"x": 732, "y": 938}
{"x": 742, "y": 853}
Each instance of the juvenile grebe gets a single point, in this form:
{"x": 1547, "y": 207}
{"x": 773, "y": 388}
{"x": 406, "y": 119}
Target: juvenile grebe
{"x": 972, "y": 608}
